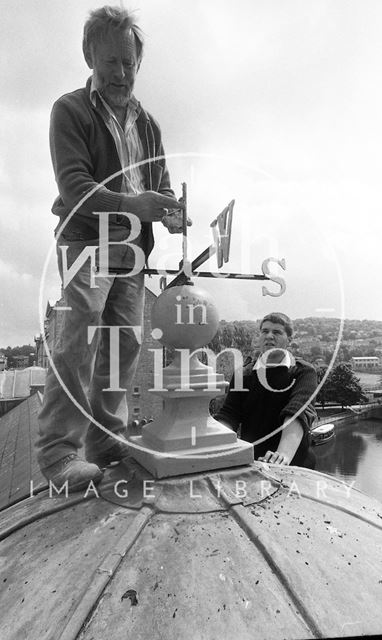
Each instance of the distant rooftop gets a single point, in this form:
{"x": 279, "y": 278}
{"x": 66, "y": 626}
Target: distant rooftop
{"x": 17, "y": 383}
{"x": 18, "y": 463}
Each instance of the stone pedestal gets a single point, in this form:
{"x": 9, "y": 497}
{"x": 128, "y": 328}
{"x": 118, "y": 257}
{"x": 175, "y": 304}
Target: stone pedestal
{"x": 186, "y": 438}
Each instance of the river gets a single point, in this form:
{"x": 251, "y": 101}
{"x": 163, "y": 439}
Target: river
{"x": 355, "y": 454}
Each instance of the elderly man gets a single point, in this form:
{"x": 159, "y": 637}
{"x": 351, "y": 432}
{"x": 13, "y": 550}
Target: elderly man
{"x": 107, "y": 155}
{"x": 278, "y": 391}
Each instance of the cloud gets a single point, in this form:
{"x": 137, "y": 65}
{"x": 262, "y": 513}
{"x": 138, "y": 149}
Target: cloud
{"x": 325, "y": 230}
{"x": 286, "y": 96}
{"x": 18, "y": 305}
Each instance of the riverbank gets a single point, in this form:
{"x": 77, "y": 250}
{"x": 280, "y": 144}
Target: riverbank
{"x": 337, "y": 415}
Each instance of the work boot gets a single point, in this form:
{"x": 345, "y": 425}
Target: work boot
{"x": 110, "y": 450}
{"x": 71, "y": 468}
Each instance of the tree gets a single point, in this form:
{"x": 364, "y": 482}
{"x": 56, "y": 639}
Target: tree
{"x": 24, "y": 350}
{"x": 323, "y": 395}
{"x": 342, "y": 386}
{"x": 316, "y": 350}
{"x": 241, "y": 335}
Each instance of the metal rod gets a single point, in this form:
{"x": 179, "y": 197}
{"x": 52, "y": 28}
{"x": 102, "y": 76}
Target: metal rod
{"x": 202, "y": 257}
{"x": 184, "y": 198}
{"x": 196, "y": 274}
{"x": 204, "y": 274}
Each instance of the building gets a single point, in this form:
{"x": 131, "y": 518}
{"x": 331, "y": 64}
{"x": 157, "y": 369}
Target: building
{"x": 18, "y": 433}
{"x": 142, "y": 403}
{"x": 20, "y": 362}
{"x": 18, "y": 384}
{"x": 365, "y": 363}
{"x": 52, "y": 325}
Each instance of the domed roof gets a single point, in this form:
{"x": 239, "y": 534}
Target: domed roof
{"x": 259, "y": 551}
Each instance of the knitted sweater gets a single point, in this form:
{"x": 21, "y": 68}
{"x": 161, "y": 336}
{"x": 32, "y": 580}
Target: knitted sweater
{"x": 84, "y": 155}
{"x": 259, "y": 411}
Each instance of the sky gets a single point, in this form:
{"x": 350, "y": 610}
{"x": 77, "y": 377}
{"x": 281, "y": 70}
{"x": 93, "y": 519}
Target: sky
{"x": 274, "y": 103}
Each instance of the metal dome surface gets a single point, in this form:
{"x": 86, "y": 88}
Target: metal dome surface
{"x": 276, "y": 552}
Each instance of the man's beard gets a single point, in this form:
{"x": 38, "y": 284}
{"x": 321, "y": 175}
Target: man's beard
{"x": 119, "y": 101}
{"x": 115, "y": 99}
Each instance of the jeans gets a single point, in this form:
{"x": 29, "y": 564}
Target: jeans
{"x": 85, "y": 369}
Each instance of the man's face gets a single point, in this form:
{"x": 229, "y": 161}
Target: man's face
{"x": 114, "y": 64}
{"x": 273, "y": 336}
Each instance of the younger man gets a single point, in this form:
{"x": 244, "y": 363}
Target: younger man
{"x": 278, "y": 390}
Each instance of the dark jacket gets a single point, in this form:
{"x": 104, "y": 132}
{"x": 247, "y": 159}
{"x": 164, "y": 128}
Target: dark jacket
{"x": 258, "y": 411}
{"x": 84, "y": 155}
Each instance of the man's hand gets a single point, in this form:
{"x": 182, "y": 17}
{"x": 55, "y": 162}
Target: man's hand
{"x": 150, "y": 206}
{"x": 275, "y": 458}
{"x": 173, "y": 221}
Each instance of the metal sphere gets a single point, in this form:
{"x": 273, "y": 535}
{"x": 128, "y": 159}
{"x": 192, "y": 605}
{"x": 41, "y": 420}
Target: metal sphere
{"x": 186, "y": 317}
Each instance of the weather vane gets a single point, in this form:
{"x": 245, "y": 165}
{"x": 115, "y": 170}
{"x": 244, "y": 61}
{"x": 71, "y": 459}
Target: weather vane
{"x": 221, "y": 230}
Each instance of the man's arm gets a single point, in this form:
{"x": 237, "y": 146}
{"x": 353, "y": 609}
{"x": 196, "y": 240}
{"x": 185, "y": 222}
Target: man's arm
{"x": 302, "y": 393}
{"x": 291, "y": 435}
{"x": 73, "y": 167}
